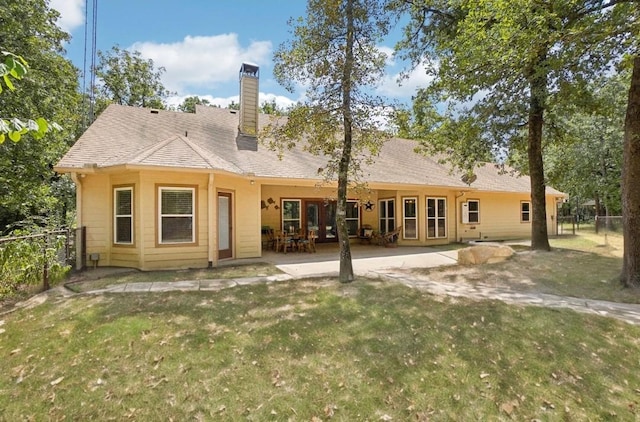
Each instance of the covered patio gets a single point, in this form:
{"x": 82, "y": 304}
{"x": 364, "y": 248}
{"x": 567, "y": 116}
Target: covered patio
{"x": 367, "y": 259}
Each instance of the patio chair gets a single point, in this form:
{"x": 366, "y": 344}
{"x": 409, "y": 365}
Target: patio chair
{"x": 309, "y": 243}
{"x": 269, "y": 238}
{"x": 391, "y": 237}
{"x": 283, "y": 242}
{"x": 365, "y": 234}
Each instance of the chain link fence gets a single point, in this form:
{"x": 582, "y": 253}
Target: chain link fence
{"x": 28, "y": 260}
{"x": 605, "y": 230}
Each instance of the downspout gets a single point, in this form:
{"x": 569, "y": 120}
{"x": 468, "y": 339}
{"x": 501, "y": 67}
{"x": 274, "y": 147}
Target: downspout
{"x": 457, "y": 205}
{"x": 211, "y": 250}
{"x": 78, "y": 183}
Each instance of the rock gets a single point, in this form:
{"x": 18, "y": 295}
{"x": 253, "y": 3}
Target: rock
{"x": 484, "y": 254}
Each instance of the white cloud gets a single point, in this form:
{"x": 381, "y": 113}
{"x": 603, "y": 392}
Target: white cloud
{"x": 203, "y": 61}
{"x": 399, "y": 86}
{"x": 71, "y": 13}
{"x": 389, "y": 52}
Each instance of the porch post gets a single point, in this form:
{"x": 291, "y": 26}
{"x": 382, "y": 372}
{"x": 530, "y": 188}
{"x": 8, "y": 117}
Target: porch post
{"x": 211, "y": 215}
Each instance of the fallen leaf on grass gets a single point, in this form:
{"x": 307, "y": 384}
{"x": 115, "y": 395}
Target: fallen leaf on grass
{"x": 14, "y": 351}
{"x": 509, "y": 407}
{"x": 483, "y": 375}
{"x": 157, "y": 361}
{"x": 155, "y": 384}
{"x": 56, "y": 381}
{"x": 329, "y": 410}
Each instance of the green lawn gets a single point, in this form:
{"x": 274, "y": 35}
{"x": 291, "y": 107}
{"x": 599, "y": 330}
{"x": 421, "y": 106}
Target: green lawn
{"x": 319, "y": 350}
{"x": 578, "y": 266}
{"x": 310, "y": 349}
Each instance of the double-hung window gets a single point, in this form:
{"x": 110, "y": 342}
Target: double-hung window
{"x": 471, "y": 211}
{"x": 353, "y": 217}
{"x": 291, "y": 215}
{"x": 410, "y": 218}
{"x": 525, "y": 211}
{"x": 123, "y": 215}
{"x": 176, "y": 218}
{"x": 387, "y": 215}
{"x": 436, "y": 218}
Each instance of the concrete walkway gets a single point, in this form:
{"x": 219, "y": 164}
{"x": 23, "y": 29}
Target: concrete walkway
{"x": 390, "y": 268}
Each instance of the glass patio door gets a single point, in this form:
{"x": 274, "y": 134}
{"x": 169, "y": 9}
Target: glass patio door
{"x": 321, "y": 217}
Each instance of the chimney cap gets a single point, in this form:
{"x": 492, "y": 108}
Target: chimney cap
{"x": 249, "y": 69}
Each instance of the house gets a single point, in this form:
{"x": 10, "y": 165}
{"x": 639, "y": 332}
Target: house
{"x": 162, "y": 189}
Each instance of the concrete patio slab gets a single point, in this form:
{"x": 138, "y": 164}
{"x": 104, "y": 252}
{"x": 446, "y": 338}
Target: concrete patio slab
{"x": 166, "y": 286}
{"x": 367, "y": 266}
{"x": 138, "y": 287}
{"x": 215, "y": 285}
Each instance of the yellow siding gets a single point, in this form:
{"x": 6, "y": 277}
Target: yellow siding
{"x": 96, "y": 214}
{"x": 246, "y": 233}
{"x": 500, "y": 217}
{"x": 157, "y": 256}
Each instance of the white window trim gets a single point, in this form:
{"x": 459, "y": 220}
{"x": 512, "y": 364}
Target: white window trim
{"x": 357, "y": 218}
{"x": 405, "y": 218}
{"x": 299, "y": 219}
{"x": 522, "y": 212}
{"x": 116, "y": 215}
{"x": 386, "y": 217}
{"x": 466, "y": 212}
{"x": 192, "y": 215}
{"x": 437, "y": 217}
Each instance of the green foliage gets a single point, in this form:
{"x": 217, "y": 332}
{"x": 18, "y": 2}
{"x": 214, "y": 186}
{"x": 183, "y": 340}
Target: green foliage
{"x": 270, "y": 107}
{"x": 14, "y": 66}
{"x": 337, "y": 86}
{"x": 189, "y": 104}
{"x": 48, "y": 92}
{"x": 584, "y": 152}
{"x": 22, "y": 262}
{"x": 485, "y": 56}
{"x": 128, "y": 79}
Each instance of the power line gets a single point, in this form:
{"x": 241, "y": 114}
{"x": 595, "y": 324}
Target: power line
{"x": 89, "y": 109}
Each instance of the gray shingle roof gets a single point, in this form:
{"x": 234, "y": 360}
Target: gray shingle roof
{"x": 209, "y": 139}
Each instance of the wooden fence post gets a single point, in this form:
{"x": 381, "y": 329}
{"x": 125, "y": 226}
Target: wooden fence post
{"x": 45, "y": 271}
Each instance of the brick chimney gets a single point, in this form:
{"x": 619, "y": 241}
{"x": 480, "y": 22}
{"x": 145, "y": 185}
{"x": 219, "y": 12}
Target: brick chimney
{"x": 248, "y": 99}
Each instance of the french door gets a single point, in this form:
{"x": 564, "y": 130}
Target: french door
{"x": 321, "y": 217}
{"x": 225, "y": 233}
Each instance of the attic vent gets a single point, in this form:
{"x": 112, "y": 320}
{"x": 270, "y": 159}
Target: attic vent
{"x": 154, "y": 111}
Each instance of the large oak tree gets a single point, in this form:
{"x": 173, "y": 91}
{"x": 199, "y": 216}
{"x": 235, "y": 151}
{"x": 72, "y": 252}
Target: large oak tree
{"x": 503, "y": 64}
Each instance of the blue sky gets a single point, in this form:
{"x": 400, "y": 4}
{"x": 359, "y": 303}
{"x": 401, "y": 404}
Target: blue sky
{"x": 202, "y": 43}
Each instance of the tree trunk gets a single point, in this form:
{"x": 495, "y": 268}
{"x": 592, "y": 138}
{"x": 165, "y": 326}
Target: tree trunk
{"x": 630, "y": 175}
{"x": 346, "y": 265}
{"x": 538, "y": 86}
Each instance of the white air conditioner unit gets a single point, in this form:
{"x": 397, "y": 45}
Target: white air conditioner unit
{"x": 465, "y": 213}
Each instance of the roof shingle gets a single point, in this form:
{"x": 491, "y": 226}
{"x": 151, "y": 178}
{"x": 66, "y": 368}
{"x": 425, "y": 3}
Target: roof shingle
{"x": 209, "y": 139}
